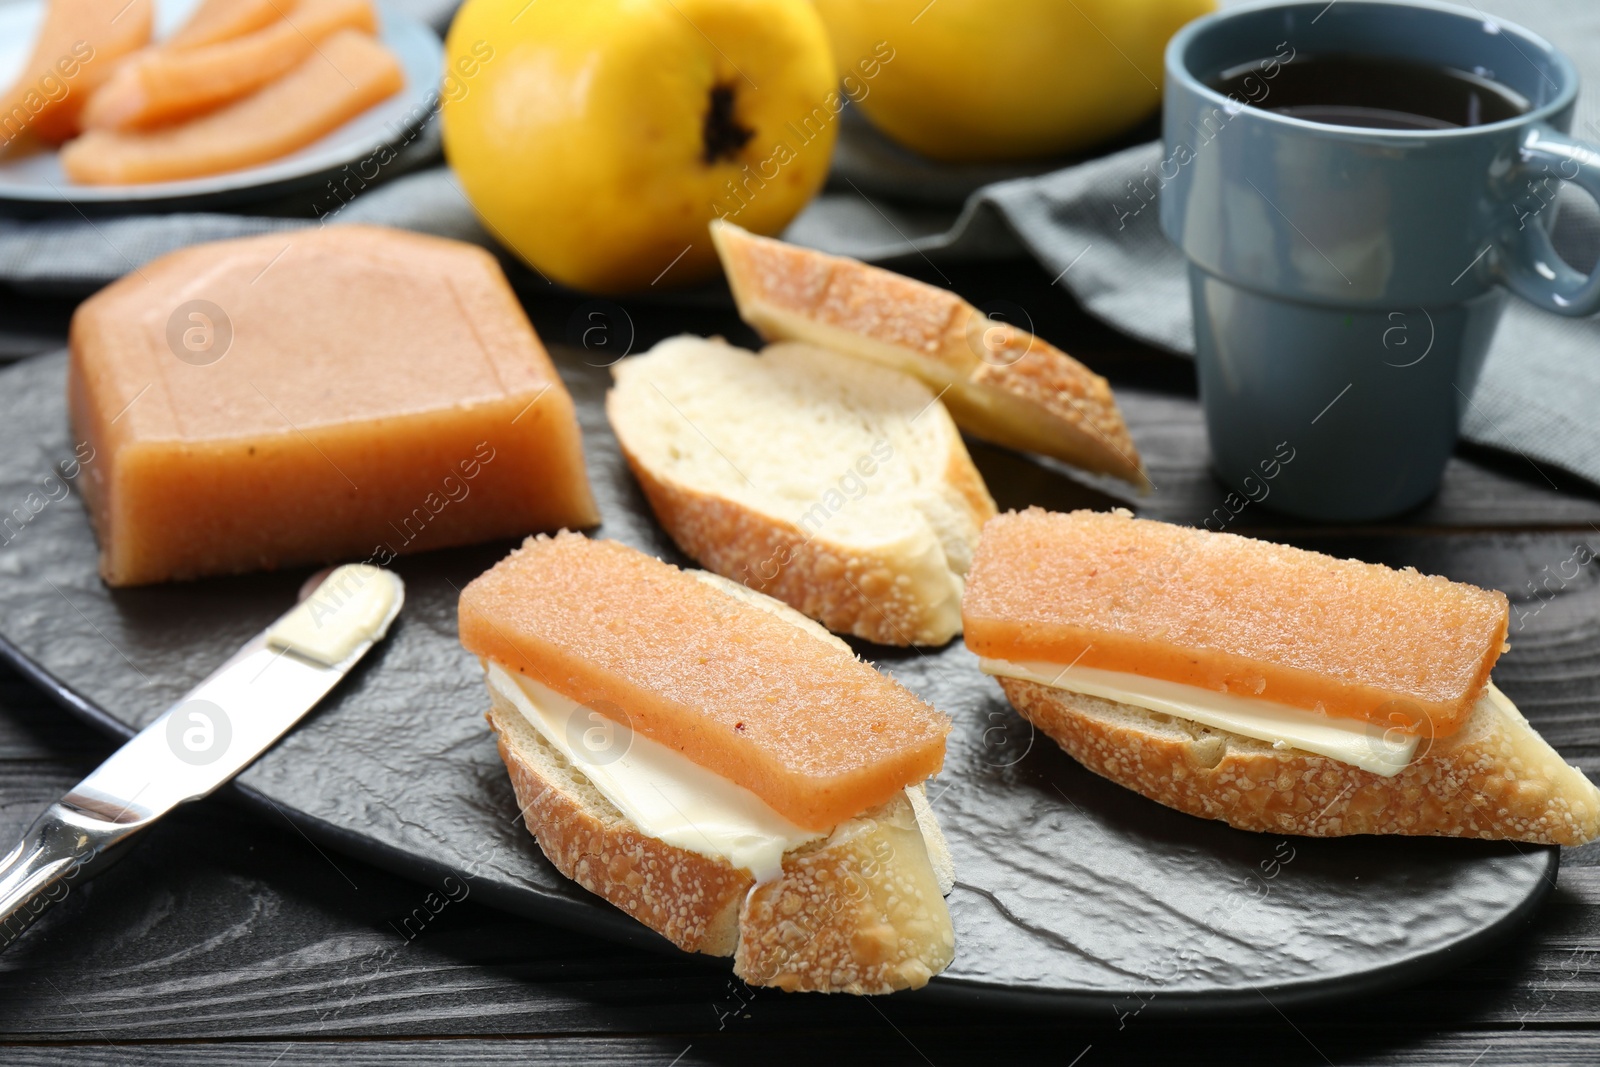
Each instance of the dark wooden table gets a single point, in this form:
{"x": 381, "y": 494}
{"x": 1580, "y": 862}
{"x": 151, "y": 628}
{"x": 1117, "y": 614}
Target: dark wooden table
{"x": 229, "y": 937}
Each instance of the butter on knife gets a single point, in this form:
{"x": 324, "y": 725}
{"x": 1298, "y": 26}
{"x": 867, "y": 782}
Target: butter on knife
{"x": 352, "y": 606}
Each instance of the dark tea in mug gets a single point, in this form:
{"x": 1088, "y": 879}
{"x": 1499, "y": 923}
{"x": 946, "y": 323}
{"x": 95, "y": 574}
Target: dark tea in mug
{"x": 1375, "y": 92}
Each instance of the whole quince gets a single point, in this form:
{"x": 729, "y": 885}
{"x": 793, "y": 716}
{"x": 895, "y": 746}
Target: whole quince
{"x": 597, "y": 138}
{"x": 994, "y": 80}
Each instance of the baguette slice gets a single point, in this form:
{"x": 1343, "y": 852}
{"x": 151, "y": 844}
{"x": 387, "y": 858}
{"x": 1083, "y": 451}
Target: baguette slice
{"x": 1495, "y": 778}
{"x": 841, "y": 488}
{"x": 1002, "y": 384}
{"x": 859, "y": 911}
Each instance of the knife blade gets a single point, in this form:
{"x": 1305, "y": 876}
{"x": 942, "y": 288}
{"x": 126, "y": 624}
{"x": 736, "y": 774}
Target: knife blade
{"x": 203, "y": 740}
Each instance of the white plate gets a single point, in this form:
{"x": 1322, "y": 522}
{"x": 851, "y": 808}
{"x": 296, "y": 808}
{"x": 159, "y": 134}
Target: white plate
{"x": 37, "y": 178}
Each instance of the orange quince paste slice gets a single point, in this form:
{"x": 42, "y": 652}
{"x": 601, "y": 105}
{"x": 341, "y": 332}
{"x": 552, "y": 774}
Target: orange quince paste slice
{"x": 219, "y": 20}
{"x": 346, "y": 74}
{"x": 78, "y": 47}
{"x": 813, "y": 731}
{"x": 1233, "y": 614}
{"x": 169, "y": 84}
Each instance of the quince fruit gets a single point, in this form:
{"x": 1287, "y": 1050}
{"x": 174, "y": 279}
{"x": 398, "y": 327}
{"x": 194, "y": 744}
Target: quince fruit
{"x": 597, "y": 138}
{"x": 995, "y": 80}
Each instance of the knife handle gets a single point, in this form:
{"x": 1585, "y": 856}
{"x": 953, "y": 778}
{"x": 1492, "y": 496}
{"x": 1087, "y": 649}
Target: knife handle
{"x": 56, "y": 851}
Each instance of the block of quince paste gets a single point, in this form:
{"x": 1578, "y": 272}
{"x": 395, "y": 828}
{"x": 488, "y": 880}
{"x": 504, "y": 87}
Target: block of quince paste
{"x": 327, "y": 394}
{"x": 1233, "y": 614}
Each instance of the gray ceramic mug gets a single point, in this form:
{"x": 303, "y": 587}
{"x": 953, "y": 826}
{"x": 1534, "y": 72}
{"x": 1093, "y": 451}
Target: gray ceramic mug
{"x": 1346, "y": 281}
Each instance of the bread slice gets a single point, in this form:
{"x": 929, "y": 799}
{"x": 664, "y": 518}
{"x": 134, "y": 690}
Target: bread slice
{"x": 1494, "y": 778}
{"x": 1002, "y": 384}
{"x": 839, "y": 487}
{"x": 860, "y": 911}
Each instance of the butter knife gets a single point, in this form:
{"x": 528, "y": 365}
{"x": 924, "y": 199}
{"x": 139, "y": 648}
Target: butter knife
{"x": 215, "y": 731}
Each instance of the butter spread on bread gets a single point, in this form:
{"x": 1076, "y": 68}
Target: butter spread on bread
{"x": 1269, "y": 687}
{"x": 1370, "y": 747}
{"x": 661, "y": 791}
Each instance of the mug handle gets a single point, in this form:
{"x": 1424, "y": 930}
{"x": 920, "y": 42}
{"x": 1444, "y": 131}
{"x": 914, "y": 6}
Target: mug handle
{"x": 1529, "y": 265}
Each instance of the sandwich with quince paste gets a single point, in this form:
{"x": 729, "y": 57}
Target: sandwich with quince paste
{"x": 1270, "y": 687}
{"x": 716, "y": 765}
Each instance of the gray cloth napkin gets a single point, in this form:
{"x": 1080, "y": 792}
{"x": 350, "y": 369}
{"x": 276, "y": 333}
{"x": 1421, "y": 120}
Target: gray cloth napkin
{"x": 1536, "y": 397}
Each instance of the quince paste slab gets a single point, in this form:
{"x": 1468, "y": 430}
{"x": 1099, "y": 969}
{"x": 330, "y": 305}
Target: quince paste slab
{"x": 328, "y": 394}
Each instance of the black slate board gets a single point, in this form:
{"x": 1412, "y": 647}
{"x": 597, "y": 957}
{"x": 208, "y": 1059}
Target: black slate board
{"x": 1072, "y": 893}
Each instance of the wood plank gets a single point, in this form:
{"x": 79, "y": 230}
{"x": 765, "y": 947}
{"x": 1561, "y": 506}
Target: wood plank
{"x": 1278, "y": 1041}
{"x": 224, "y": 926}
{"x": 1481, "y": 489}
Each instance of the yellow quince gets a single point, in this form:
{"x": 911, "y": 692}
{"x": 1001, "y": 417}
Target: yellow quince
{"x": 597, "y": 138}
{"x": 991, "y": 80}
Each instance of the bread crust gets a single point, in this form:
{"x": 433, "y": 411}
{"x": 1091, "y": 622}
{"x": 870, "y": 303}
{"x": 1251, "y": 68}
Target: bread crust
{"x": 860, "y": 912}
{"x": 1496, "y": 778}
{"x": 872, "y": 594}
{"x": 847, "y": 590}
{"x": 1005, "y": 385}
{"x": 691, "y": 900}
{"x": 1043, "y": 400}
